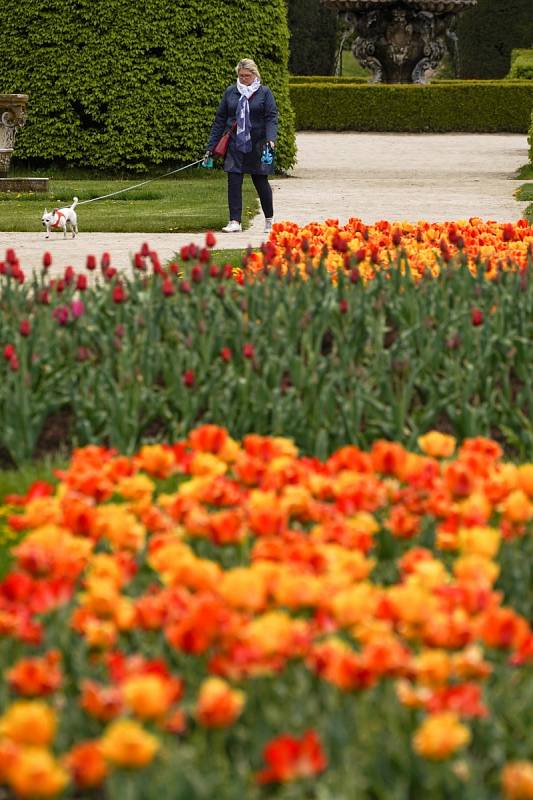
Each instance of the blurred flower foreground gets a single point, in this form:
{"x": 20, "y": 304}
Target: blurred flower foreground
{"x": 215, "y": 618}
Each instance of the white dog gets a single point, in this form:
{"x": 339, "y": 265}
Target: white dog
{"x": 60, "y": 218}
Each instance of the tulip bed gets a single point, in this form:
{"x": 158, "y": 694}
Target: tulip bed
{"x": 327, "y": 334}
{"x": 222, "y": 619}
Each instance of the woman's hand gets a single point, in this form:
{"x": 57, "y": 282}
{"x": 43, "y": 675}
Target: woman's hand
{"x": 272, "y": 144}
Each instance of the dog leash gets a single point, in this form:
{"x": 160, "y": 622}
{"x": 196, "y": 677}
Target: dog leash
{"x": 143, "y": 183}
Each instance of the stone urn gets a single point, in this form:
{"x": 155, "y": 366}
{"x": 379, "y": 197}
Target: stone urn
{"x": 12, "y": 117}
{"x": 401, "y": 41}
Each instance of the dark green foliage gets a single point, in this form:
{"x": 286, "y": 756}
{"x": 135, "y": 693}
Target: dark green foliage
{"x": 313, "y": 32}
{"x": 488, "y": 33}
{"x": 530, "y": 140}
{"x": 135, "y": 83}
{"x": 455, "y": 106}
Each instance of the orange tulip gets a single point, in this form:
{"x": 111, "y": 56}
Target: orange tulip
{"x": 37, "y": 774}
{"x": 440, "y": 736}
{"x": 525, "y": 479}
{"x": 29, "y": 722}
{"x": 86, "y": 764}
{"x": 36, "y": 676}
{"x": 148, "y": 696}
{"x": 517, "y": 507}
{"x": 436, "y": 444}
{"x": 218, "y": 705}
{"x": 517, "y": 780}
{"x": 125, "y": 743}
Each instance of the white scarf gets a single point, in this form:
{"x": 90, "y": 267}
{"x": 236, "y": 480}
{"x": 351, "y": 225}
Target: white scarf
{"x": 243, "y": 138}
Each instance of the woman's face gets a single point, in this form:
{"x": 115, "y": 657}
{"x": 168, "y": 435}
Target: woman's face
{"x": 245, "y": 76}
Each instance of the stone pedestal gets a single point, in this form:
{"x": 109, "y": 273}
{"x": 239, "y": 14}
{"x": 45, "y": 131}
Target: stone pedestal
{"x": 12, "y": 117}
{"x": 401, "y": 41}
{"x": 20, "y": 185}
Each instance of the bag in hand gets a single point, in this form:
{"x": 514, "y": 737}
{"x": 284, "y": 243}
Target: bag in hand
{"x": 221, "y": 147}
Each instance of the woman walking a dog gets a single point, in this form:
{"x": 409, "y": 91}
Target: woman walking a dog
{"x": 248, "y": 110}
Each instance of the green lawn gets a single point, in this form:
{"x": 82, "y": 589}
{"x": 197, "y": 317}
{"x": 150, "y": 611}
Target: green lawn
{"x": 351, "y": 68}
{"x": 195, "y": 201}
{"x": 526, "y": 172}
{"x": 233, "y": 256}
{"x": 525, "y": 193}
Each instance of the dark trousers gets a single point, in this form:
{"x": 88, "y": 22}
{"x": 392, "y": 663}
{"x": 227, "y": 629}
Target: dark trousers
{"x": 263, "y": 188}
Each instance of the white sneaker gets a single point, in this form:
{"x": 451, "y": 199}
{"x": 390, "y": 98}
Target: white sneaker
{"x": 232, "y": 227}
{"x": 268, "y": 224}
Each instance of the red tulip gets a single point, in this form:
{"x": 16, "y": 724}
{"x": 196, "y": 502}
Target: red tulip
{"x": 189, "y": 378}
{"x": 289, "y": 758}
{"x": 81, "y": 283}
{"x": 210, "y": 239}
{"x": 155, "y": 261}
{"x": 105, "y": 261}
{"x": 508, "y": 233}
{"x": 47, "y": 260}
{"x": 476, "y": 316}
{"x": 168, "y": 287}
{"x": 118, "y": 294}
{"x": 61, "y": 314}
{"x": 248, "y": 350}
{"x": 11, "y": 257}
{"x": 9, "y": 351}
{"x": 91, "y": 262}
{"x": 145, "y": 249}
{"x": 25, "y": 327}
{"x": 225, "y": 354}
{"x": 343, "y": 305}
{"x": 197, "y": 273}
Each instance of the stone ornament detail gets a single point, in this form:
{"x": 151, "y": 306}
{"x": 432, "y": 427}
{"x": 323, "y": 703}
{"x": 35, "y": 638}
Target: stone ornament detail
{"x": 401, "y": 41}
{"x": 12, "y": 117}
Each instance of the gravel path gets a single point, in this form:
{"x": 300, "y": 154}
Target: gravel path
{"x": 373, "y": 176}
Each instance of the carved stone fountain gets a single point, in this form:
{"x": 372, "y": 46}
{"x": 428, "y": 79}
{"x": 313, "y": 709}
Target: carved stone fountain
{"x": 13, "y": 117}
{"x": 401, "y": 41}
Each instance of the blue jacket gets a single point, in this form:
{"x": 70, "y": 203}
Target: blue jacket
{"x": 263, "y": 124}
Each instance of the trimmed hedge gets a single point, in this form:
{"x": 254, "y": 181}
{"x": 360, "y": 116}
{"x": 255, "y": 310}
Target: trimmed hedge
{"x": 488, "y": 106}
{"x": 313, "y": 38}
{"x": 487, "y": 34}
{"x": 530, "y": 139}
{"x": 135, "y": 83}
{"x": 522, "y": 65}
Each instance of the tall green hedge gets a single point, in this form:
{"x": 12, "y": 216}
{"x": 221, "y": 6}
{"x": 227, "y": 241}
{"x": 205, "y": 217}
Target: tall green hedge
{"x": 135, "y": 83}
{"x": 487, "y": 34}
{"x": 475, "y": 106}
{"x": 313, "y": 38}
